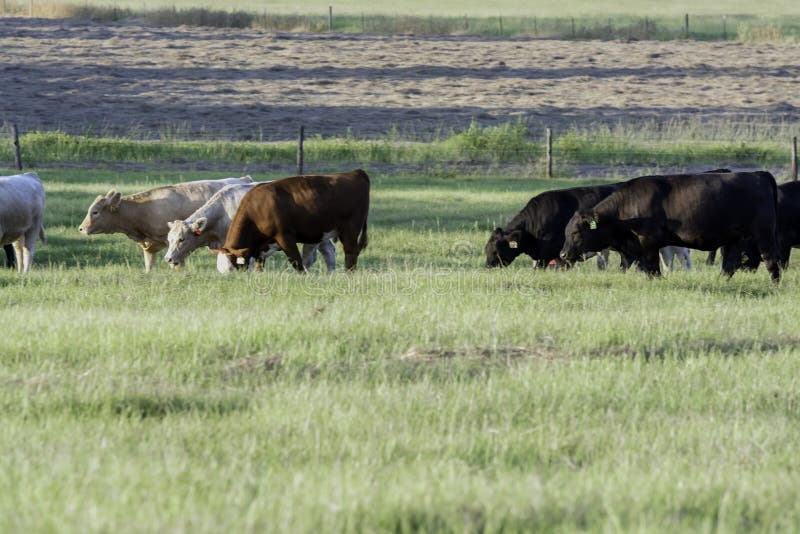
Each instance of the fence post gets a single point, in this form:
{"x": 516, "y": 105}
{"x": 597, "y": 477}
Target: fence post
{"x": 330, "y": 18}
{"x": 686, "y": 25}
{"x": 501, "y": 25}
{"x": 549, "y": 152}
{"x": 724, "y": 27}
{"x": 573, "y": 27}
{"x": 300, "y": 151}
{"x": 535, "y": 27}
{"x": 17, "y": 157}
{"x": 794, "y": 158}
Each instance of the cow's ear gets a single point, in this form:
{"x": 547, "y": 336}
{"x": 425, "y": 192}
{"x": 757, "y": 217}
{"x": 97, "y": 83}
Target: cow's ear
{"x": 497, "y": 231}
{"x": 199, "y": 225}
{"x": 514, "y": 237}
{"x": 114, "y": 198}
{"x": 99, "y": 198}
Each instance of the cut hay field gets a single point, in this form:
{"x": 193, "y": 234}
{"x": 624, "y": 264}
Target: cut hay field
{"x": 422, "y": 393}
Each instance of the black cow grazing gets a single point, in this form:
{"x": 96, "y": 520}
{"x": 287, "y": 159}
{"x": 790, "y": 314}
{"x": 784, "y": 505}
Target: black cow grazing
{"x": 745, "y": 255}
{"x": 538, "y": 230}
{"x": 702, "y": 211}
{"x": 11, "y": 258}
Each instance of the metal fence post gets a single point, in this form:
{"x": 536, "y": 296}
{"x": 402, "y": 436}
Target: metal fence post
{"x": 686, "y": 25}
{"x": 794, "y": 158}
{"x": 300, "y": 151}
{"x": 549, "y": 151}
{"x": 330, "y": 18}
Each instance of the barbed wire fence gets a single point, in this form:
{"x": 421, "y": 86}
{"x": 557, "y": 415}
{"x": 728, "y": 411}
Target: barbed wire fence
{"x": 541, "y": 153}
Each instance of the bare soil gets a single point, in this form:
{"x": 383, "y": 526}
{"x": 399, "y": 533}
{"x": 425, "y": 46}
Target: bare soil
{"x": 141, "y": 81}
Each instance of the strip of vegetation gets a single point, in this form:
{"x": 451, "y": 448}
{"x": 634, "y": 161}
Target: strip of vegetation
{"x": 510, "y": 143}
{"x": 701, "y": 27}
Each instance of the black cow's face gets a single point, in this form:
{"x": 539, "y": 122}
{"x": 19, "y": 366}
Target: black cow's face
{"x": 581, "y": 235}
{"x": 503, "y": 247}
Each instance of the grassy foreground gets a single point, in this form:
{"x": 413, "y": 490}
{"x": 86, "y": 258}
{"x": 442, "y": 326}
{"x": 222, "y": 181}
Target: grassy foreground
{"x": 422, "y": 393}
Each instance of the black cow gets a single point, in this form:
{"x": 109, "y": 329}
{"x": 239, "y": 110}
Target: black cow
{"x": 702, "y": 211}
{"x": 745, "y": 255}
{"x": 11, "y": 258}
{"x": 538, "y": 230}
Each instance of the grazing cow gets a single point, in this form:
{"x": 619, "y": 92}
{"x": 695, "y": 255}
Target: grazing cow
{"x": 745, "y": 255}
{"x": 209, "y": 225}
{"x": 702, "y": 211}
{"x": 301, "y": 209}
{"x": 11, "y": 259}
{"x": 538, "y": 230}
{"x": 21, "y": 216}
{"x": 143, "y": 217}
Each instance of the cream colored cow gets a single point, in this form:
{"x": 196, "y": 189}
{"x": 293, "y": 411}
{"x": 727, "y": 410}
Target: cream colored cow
{"x": 143, "y": 217}
{"x": 22, "y": 215}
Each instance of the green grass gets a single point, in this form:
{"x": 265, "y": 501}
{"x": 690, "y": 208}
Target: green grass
{"x": 422, "y": 393}
{"x": 673, "y": 144}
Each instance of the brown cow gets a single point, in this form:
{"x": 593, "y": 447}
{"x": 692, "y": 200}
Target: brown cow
{"x": 301, "y": 209}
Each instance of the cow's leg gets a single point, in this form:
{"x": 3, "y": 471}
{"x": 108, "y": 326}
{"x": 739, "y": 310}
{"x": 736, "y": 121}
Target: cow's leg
{"x": 28, "y": 246}
{"x": 349, "y": 242}
{"x": 765, "y": 240}
{"x": 18, "y": 251}
{"x": 309, "y": 255}
{"x": 712, "y": 257}
{"x": 602, "y": 259}
{"x": 784, "y": 251}
{"x": 11, "y": 257}
{"x": 731, "y": 260}
{"x": 328, "y": 252}
{"x": 686, "y": 258}
{"x": 288, "y": 245}
{"x": 150, "y": 250}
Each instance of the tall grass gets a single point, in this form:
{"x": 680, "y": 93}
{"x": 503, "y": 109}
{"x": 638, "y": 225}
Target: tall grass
{"x": 676, "y": 144}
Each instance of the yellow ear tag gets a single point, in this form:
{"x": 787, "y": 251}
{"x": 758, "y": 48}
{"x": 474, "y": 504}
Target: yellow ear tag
{"x": 513, "y": 244}
{"x": 113, "y": 209}
{"x": 592, "y": 225}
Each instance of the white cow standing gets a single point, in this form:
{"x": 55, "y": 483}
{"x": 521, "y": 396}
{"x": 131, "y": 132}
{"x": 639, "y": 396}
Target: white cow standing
{"x": 143, "y": 217}
{"x": 209, "y": 225}
{"x": 22, "y": 215}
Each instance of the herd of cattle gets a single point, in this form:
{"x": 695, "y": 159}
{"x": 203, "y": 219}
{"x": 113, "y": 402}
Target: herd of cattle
{"x": 647, "y": 220}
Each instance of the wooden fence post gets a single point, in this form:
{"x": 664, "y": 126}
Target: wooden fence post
{"x": 330, "y": 18}
{"x": 549, "y": 152}
{"x": 794, "y": 158}
{"x": 686, "y": 25}
{"x": 17, "y": 157}
{"x": 300, "y": 151}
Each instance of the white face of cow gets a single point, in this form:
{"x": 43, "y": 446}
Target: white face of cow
{"x": 183, "y": 239}
{"x": 102, "y": 214}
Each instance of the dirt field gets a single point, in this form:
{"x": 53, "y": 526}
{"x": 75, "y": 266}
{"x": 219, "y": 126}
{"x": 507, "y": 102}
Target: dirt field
{"x": 250, "y": 84}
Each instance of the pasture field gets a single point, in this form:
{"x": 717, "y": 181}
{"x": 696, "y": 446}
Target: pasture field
{"x": 469, "y": 7}
{"x": 421, "y": 393}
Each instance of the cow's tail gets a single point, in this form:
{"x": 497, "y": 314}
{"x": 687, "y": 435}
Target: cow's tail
{"x": 362, "y": 239}
{"x": 42, "y": 237}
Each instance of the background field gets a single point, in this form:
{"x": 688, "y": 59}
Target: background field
{"x": 468, "y": 7}
{"x": 421, "y": 393}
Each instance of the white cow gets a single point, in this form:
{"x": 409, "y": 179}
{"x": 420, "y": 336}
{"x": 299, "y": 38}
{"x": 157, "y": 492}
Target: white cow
{"x": 22, "y": 215}
{"x": 143, "y": 217}
{"x": 209, "y": 225}
{"x": 667, "y": 255}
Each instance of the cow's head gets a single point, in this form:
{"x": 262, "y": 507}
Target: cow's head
{"x": 583, "y": 234}
{"x": 504, "y": 246}
{"x": 102, "y": 213}
{"x": 183, "y": 238}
